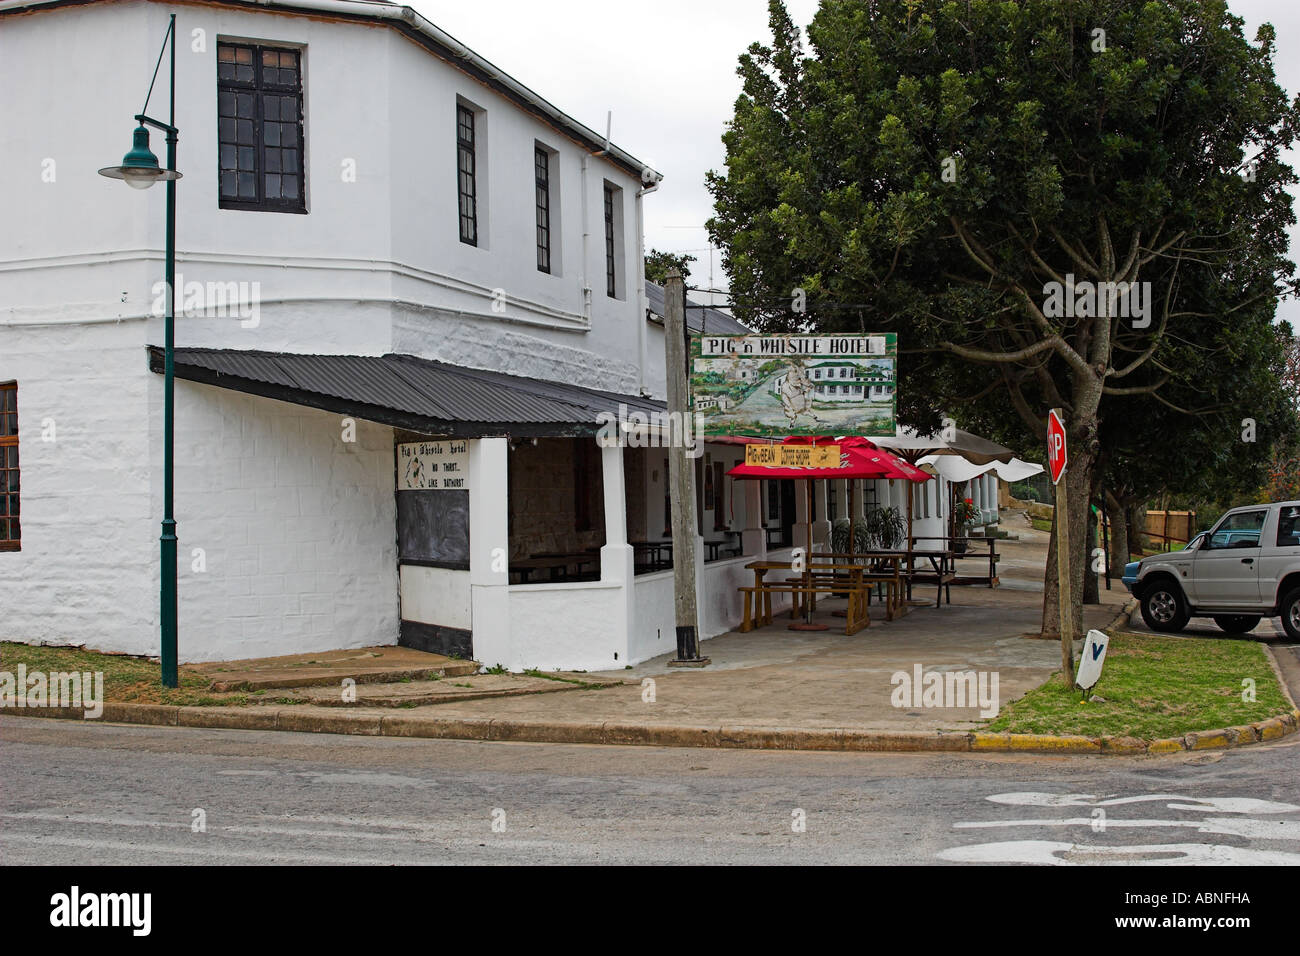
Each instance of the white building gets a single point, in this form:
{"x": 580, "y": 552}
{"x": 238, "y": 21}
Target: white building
{"x": 388, "y": 249}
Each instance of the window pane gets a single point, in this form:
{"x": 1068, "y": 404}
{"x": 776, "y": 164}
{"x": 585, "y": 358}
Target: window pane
{"x": 273, "y": 160}
{"x": 272, "y": 186}
{"x": 247, "y": 185}
{"x": 271, "y": 133}
{"x": 247, "y": 158}
{"x": 289, "y": 187}
{"x": 245, "y": 133}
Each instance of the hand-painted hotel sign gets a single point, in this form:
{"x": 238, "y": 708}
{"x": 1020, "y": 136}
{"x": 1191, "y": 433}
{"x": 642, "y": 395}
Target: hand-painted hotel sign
{"x": 433, "y": 466}
{"x": 775, "y": 385}
{"x": 792, "y": 456}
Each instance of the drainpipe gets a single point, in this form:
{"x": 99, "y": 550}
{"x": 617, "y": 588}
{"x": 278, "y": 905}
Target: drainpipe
{"x": 651, "y": 180}
{"x": 586, "y": 235}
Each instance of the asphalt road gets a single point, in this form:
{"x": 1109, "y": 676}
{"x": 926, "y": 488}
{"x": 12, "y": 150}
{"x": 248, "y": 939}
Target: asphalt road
{"x": 81, "y": 794}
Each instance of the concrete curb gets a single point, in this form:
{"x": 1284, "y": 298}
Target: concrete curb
{"x": 617, "y": 733}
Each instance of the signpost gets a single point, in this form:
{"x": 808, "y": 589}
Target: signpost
{"x": 681, "y": 478}
{"x": 1057, "y": 456}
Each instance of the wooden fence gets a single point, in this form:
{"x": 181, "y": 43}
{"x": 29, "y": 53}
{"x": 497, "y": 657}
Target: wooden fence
{"x": 1167, "y": 526}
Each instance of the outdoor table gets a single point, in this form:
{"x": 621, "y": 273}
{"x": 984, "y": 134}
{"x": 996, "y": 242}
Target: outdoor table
{"x": 844, "y": 577}
{"x": 525, "y": 567}
{"x": 891, "y": 577}
{"x": 991, "y": 553}
{"x": 943, "y": 571}
{"x": 659, "y": 554}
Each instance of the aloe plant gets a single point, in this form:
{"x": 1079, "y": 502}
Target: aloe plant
{"x": 881, "y": 529}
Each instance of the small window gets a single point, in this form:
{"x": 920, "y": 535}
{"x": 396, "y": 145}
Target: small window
{"x": 467, "y": 175}
{"x": 10, "y": 524}
{"x": 614, "y": 287}
{"x": 542, "y": 176}
{"x": 260, "y": 128}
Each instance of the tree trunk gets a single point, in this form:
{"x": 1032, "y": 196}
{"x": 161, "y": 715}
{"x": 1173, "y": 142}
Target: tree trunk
{"x": 1119, "y": 555}
{"x": 1078, "y": 484}
{"x": 1091, "y": 595}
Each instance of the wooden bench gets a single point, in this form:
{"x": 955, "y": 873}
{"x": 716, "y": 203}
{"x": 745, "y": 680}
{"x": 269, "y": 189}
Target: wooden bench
{"x": 858, "y": 616}
{"x": 844, "y": 584}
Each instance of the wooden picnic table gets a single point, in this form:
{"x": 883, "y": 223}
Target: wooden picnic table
{"x": 991, "y": 553}
{"x": 877, "y": 574}
{"x": 821, "y": 578}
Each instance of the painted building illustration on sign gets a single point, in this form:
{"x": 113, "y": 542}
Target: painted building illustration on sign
{"x": 795, "y": 384}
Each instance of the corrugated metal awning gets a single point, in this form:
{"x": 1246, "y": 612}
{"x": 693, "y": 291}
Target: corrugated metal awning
{"x": 407, "y": 392}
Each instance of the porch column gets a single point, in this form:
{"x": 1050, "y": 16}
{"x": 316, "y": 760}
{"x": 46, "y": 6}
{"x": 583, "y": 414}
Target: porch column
{"x": 489, "y": 540}
{"x": 753, "y": 540}
{"x": 822, "y": 526}
{"x": 616, "y": 555}
{"x": 799, "y": 531}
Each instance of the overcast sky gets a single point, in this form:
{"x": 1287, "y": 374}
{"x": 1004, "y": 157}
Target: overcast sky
{"x": 667, "y": 71}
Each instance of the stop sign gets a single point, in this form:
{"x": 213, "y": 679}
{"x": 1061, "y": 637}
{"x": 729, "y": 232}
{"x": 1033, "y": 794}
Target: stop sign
{"x": 1056, "y": 455}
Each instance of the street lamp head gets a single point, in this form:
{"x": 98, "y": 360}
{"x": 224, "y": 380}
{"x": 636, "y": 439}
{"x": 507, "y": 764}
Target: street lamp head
{"x": 139, "y": 168}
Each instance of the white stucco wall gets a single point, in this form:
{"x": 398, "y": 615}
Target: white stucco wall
{"x": 297, "y": 526}
{"x": 87, "y": 572}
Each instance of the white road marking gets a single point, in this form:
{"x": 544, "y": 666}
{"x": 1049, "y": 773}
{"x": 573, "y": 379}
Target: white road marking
{"x": 1045, "y": 852}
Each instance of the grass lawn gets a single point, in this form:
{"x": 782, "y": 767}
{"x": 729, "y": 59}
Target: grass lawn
{"x": 126, "y": 679}
{"x": 1155, "y": 687}
{"x": 1041, "y": 524}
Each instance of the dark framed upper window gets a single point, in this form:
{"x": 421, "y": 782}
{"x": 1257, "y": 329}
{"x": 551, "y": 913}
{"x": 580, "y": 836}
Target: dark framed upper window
{"x": 11, "y": 534}
{"x": 542, "y": 175}
{"x": 466, "y": 175}
{"x": 611, "y": 262}
{"x": 260, "y": 128}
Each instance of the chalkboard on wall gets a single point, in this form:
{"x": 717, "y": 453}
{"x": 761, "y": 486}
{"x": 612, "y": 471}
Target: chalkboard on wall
{"x": 433, "y": 527}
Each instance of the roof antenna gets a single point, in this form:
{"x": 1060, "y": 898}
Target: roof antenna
{"x": 609, "y": 126}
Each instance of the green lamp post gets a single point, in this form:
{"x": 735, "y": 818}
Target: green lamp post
{"x": 140, "y": 170}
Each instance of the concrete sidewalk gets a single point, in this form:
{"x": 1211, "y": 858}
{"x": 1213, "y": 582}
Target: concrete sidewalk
{"x": 820, "y": 680}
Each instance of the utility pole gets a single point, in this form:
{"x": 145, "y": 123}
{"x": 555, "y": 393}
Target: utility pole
{"x": 681, "y": 475}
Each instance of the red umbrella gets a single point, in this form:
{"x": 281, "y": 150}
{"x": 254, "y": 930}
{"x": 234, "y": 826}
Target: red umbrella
{"x": 859, "y": 458}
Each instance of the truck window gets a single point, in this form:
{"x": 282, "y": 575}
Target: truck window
{"x": 1240, "y": 530}
{"x": 1288, "y": 528}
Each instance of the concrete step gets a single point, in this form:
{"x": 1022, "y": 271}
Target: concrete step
{"x": 367, "y": 665}
{"x": 421, "y": 693}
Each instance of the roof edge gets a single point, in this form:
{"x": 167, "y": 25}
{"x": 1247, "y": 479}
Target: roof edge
{"x": 406, "y": 20}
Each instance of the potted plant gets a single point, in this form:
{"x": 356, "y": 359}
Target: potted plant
{"x": 964, "y": 514}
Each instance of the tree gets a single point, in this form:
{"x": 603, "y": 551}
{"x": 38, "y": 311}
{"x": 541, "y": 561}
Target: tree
{"x": 658, "y": 264}
{"x": 1073, "y": 203}
{"x": 1283, "y": 479}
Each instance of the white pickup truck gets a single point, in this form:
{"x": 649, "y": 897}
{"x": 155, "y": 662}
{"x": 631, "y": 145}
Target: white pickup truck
{"x": 1246, "y": 568}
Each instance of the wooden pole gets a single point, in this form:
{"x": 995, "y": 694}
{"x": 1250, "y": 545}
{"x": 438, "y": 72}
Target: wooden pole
{"x": 1064, "y": 601}
{"x": 681, "y": 475}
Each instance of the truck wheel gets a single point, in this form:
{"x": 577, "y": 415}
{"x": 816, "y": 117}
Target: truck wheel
{"x": 1163, "y": 607}
{"x": 1291, "y": 614}
{"x": 1236, "y": 623}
